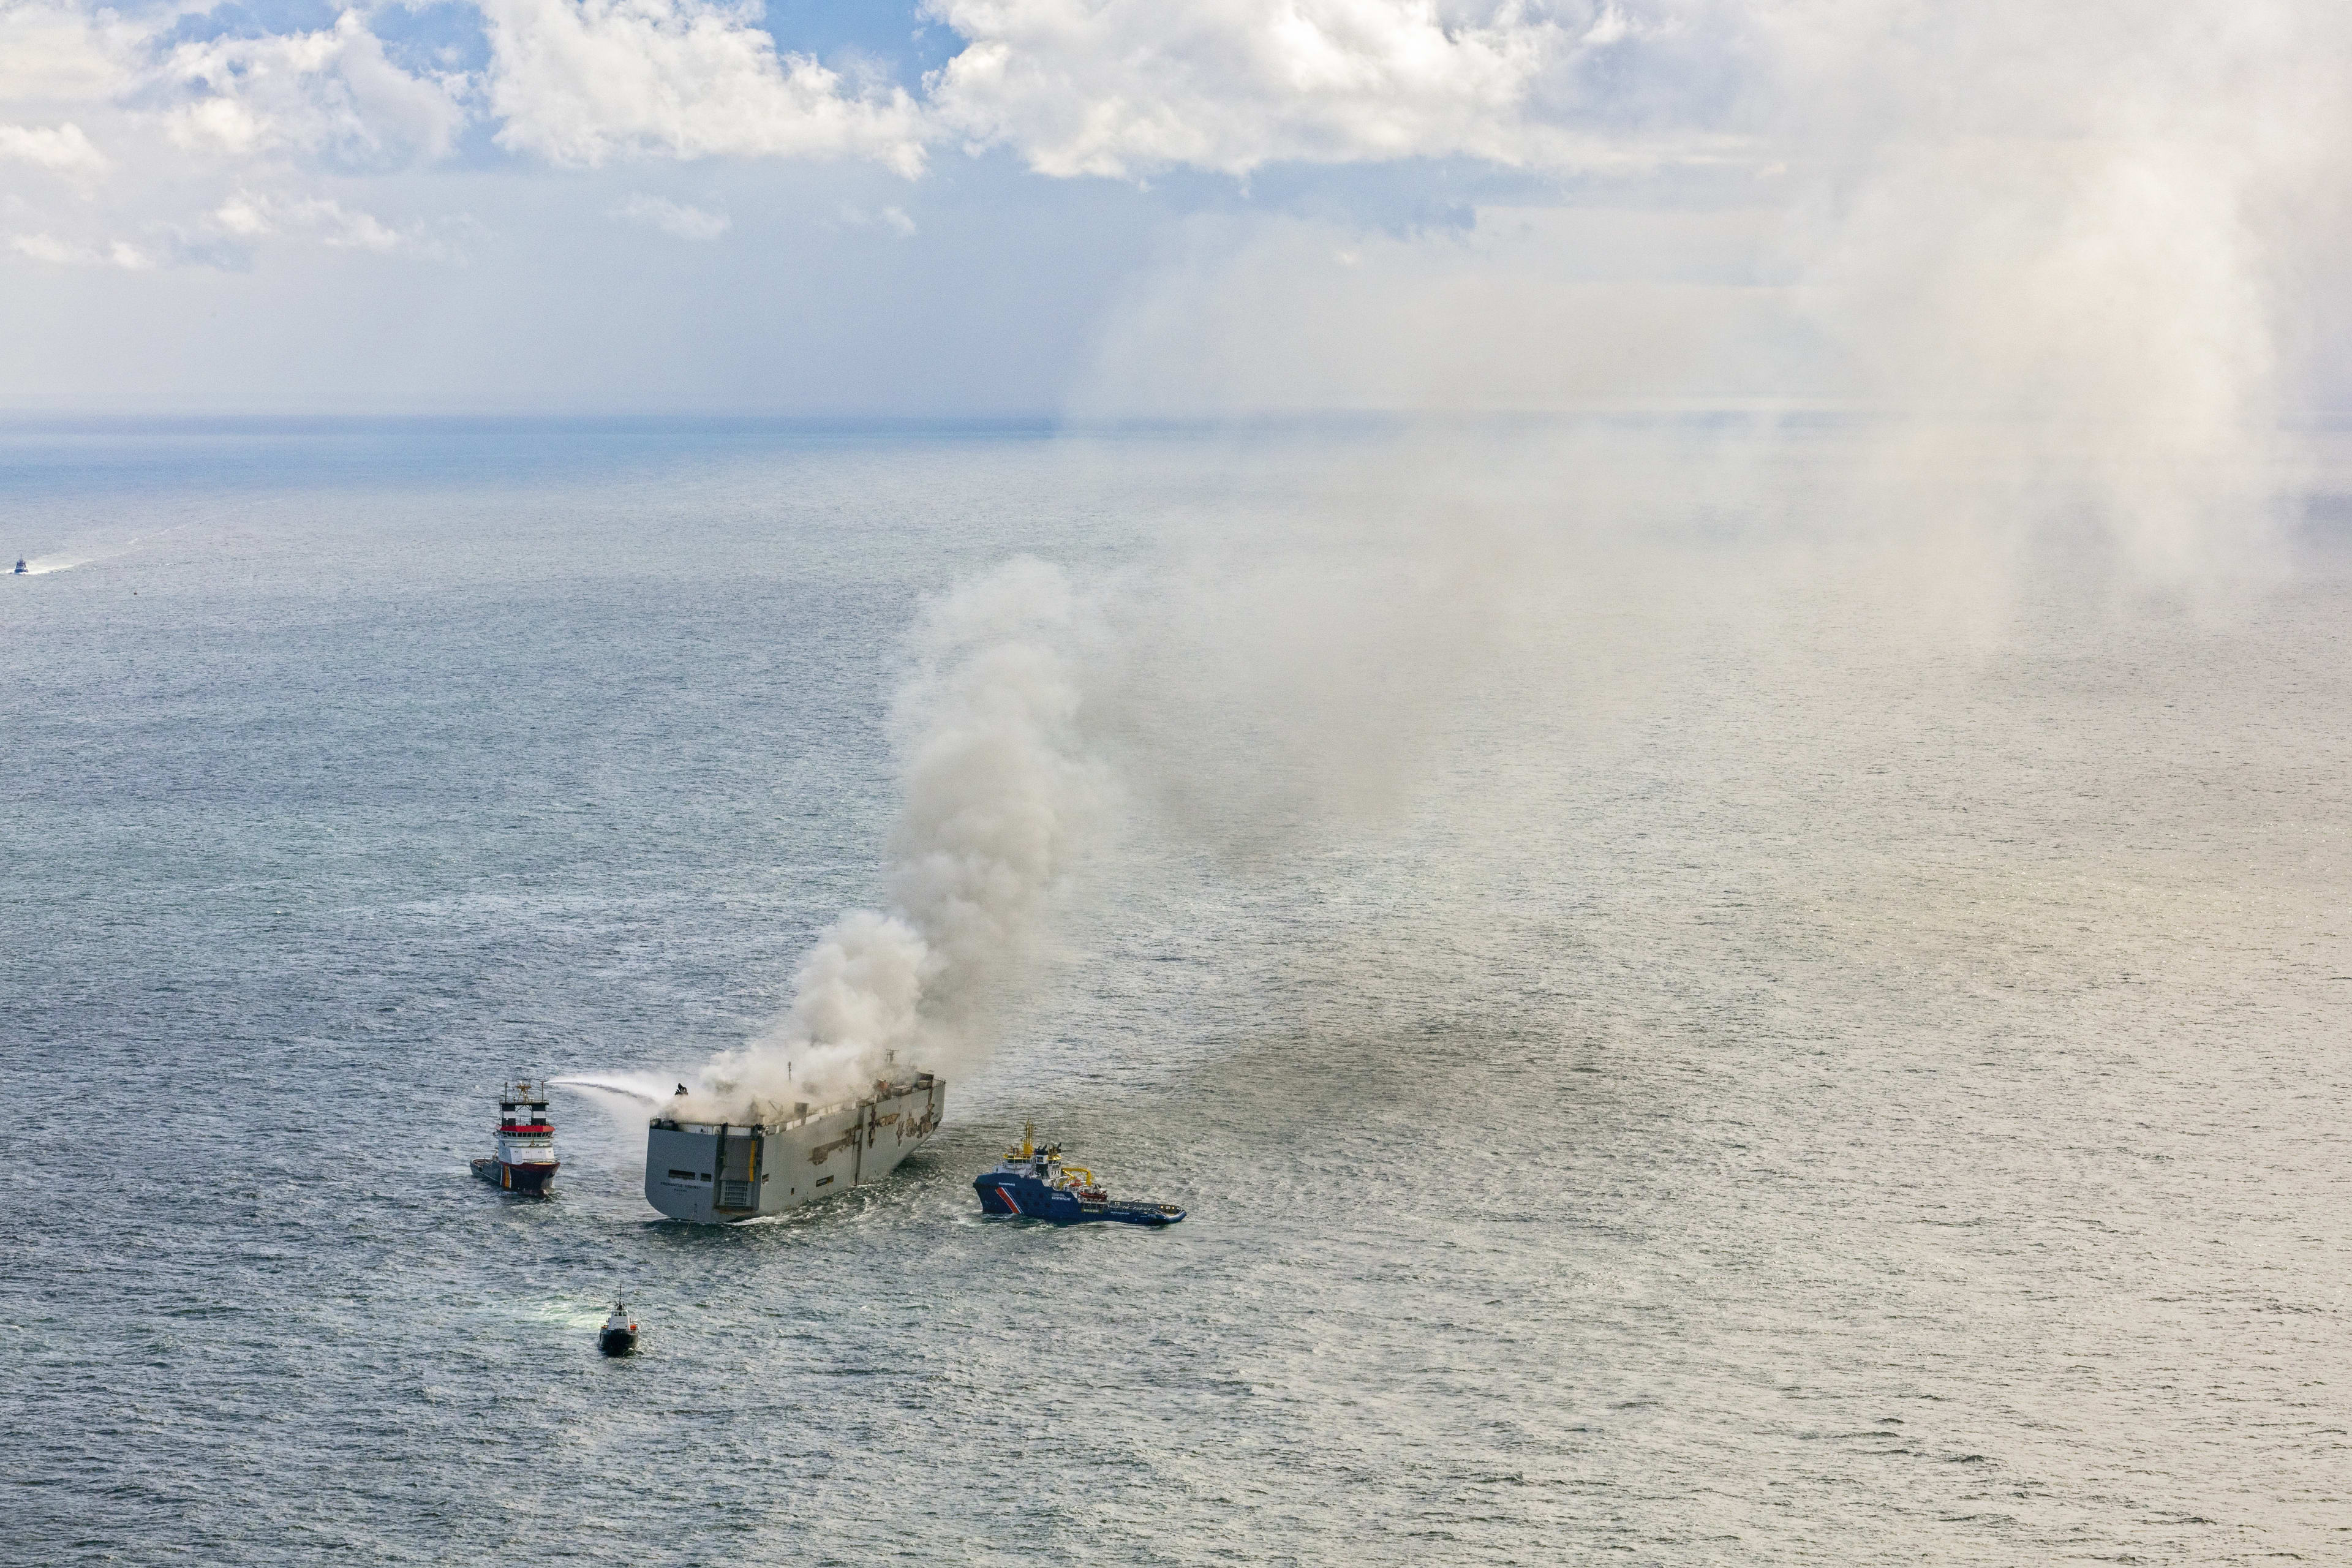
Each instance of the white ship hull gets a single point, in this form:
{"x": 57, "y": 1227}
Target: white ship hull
{"x": 720, "y": 1175}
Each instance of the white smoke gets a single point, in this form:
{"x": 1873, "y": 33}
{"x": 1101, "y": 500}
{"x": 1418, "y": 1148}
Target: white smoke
{"x": 2054, "y": 260}
{"x": 999, "y": 801}
{"x": 2065, "y": 255}
{"x": 2067, "y": 277}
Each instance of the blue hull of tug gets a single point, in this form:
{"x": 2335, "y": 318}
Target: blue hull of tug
{"x": 1029, "y": 1198}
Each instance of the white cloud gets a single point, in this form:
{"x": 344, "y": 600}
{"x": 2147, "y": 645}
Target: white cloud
{"x": 62, "y": 149}
{"x": 1125, "y": 87}
{"x": 248, "y": 216}
{"x": 677, "y": 219}
{"x": 2074, "y": 249}
{"x": 62, "y": 54}
{"x": 1103, "y": 87}
{"x": 893, "y": 218}
{"x": 226, "y": 235}
{"x": 189, "y": 131}
{"x": 244, "y": 217}
{"x": 120, "y": 253}
{"x": 330, "y": 92}
{"x": 42, "y": 247}
{"x": 583, "y": 82}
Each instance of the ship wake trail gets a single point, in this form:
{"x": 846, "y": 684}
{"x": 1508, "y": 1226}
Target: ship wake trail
{"x": 998, "y": 800}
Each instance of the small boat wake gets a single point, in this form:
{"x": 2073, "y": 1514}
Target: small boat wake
{"x": 49, "y": 566}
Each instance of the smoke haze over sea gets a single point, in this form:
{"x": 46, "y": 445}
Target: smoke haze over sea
{"x": 1688, "y": 1029}
{"x": 1653, "y": 693}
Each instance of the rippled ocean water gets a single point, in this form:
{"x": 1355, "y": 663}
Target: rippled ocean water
{"x": 1771, "y": 1092}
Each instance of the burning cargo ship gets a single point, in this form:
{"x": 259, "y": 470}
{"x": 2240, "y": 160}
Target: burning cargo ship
{"x": 723, "y": 1172}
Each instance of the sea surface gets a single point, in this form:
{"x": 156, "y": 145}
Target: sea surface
{"x": 1676, "y": 1052}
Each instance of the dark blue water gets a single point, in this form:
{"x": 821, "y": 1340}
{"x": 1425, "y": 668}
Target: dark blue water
{"x": 1757, "y": 1092}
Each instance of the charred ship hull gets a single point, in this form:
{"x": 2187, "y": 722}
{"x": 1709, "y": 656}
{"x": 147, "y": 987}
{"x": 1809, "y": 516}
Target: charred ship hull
{"x": 726, "y": 1172}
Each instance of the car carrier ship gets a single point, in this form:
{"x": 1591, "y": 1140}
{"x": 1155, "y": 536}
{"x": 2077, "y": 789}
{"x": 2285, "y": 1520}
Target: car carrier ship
{"x": 719, "y": 1173}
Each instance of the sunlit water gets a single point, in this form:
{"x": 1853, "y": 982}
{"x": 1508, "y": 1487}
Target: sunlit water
{"x": 1833, "y": 1101}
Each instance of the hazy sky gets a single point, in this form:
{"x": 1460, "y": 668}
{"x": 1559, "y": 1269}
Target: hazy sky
{"x": 1169, "y": 205}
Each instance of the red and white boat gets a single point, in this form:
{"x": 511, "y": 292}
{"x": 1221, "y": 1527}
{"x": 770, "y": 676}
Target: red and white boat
{"x": 523, "y": 1160}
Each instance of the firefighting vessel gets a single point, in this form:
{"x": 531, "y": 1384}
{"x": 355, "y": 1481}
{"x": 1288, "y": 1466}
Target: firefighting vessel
{"x": 1034, "y": 1184}
{"x": 523, "y": 1158}
{"x": 722, "y": 1173}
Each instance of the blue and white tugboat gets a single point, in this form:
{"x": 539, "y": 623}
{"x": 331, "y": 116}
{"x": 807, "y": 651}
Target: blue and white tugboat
{"x": 1031, "y": 1183}
{"x": 619, "y": 1334}
{"x": 523, "y": 1159}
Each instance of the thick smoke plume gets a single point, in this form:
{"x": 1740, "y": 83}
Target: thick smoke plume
{"x": 2054, "y": 271}
{"x": 999, "y": 801}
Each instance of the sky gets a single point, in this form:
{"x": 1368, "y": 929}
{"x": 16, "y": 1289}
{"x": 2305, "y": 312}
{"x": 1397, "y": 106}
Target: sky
{"x": 1174, "y": 208}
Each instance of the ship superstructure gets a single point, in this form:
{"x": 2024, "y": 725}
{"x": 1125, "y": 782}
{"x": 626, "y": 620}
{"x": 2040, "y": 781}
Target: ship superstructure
{"x": 522, "y": 1158}
{"x": 724, "y": 1173}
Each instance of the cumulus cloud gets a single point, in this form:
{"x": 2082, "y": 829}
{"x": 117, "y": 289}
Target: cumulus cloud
{"x": 226, "y": 235}
{"x": 1117, "y": 88}
{"x": 893, "y": 218}
{"x": 179, "y": 152}
{"x": 331, "y": 92}
{"x": 65, "y": 54}
{"x": 120, "y": 253}
{"x": 249, "y": 216}
{"x": 1125, "y": 87}
{"x": 62, "y": 149}
{"x": 583, "y": 82}
{"x": 679, "y": 220}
